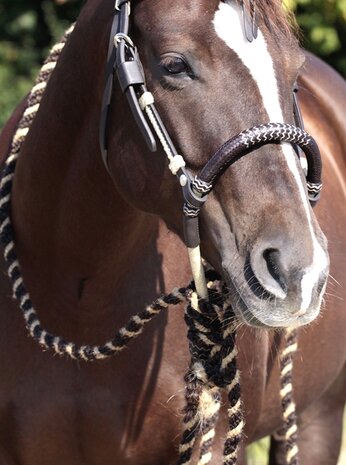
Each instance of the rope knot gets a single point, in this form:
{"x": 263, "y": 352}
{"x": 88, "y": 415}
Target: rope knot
{"x": 212, "y": 367}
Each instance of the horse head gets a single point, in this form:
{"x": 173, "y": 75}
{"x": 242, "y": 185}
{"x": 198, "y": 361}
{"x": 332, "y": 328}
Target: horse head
{"x": 210, "y": 81}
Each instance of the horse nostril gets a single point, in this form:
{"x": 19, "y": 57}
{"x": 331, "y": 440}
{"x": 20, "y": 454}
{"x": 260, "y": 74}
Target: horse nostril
{"x": 272, "y": 258}
{"x": 269, "y": 270}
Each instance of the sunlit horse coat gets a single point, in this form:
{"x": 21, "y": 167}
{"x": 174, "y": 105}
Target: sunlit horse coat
{"x": 94, "y": 247}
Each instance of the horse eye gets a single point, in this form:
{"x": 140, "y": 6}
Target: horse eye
{"x": 175, "y": 64}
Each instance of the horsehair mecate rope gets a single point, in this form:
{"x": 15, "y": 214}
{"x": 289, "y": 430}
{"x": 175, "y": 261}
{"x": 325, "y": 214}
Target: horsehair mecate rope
{"x": 48, "y": 341}
{"x": 286, "y": 393}
{"x": 212, "y": 342}
{"x": 213, "y": 367}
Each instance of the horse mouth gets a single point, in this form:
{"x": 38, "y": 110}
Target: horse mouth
{"x": 265, "y": 311}
{"x": 250, "y": 317}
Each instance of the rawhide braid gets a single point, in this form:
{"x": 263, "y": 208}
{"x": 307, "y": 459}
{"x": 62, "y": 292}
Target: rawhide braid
{"x": 212, "y": 335}
{"x": 211, "y": 329}
{"x": 257, "y": 136}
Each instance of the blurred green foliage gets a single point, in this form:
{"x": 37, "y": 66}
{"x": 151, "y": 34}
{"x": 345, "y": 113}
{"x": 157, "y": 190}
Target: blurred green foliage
{"x": 323, "y": 26}
{"x": 29, "y": 27}
{"x": 27, "y": 30}
{"x": 257, "y": 453}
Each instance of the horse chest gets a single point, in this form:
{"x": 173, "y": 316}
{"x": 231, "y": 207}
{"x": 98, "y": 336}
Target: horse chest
{"x": 128, "y": 409}
{"x": 54, "y": 410}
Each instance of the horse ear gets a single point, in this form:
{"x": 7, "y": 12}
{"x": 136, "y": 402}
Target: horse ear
{"x": 248, "y": 8}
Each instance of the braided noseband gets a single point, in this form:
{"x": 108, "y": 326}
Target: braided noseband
{"x": 210, "y": 323}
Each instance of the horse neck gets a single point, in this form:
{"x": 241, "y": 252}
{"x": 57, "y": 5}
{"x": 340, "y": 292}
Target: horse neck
{"x": 75, "y": 236}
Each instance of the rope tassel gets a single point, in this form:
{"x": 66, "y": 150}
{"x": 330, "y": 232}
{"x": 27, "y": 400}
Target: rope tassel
{"x": 213, "y": 367}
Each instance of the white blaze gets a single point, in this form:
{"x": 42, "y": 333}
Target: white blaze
{"x": 228, "y": 25}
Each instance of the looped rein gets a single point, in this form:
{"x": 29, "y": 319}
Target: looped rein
{"x": 211, "y": 329}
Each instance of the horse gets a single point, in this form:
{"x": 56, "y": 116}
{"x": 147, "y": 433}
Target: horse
{"x": 97, "y": 244}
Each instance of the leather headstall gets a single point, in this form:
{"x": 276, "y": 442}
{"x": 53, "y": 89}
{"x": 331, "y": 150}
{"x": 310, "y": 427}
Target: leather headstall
{"x": 123, "y": 60}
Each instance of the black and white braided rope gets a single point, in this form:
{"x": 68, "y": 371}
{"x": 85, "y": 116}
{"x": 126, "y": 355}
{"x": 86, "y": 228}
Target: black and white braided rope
{"x": 47, "y": 340}
{"x": 213, "y": 367}
{"x": 212, "y": 343}
{"x": 286, "y": 394}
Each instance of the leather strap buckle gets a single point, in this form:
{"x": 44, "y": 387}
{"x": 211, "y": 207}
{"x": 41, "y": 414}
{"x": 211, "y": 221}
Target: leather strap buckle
{"x": 119, "y": 3}
{"x": 121, "y": 36}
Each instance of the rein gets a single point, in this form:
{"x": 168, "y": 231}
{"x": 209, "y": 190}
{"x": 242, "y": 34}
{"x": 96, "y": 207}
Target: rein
{"x": 211, "y": 327}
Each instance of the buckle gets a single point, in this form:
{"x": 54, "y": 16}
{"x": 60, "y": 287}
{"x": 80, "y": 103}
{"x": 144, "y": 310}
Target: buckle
{"x": 119, "y": 3}
{"x": 121, "y": 36}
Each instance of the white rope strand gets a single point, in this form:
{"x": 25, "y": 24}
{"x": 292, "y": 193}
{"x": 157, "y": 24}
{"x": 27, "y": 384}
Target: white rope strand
{"x": 198, "y": 271}
{"x": 176, "y": 162}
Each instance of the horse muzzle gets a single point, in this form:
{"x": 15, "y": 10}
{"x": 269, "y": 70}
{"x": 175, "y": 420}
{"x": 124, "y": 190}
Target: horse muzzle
{"x": 266, "y": 293}
{"x": 281, "y": 293}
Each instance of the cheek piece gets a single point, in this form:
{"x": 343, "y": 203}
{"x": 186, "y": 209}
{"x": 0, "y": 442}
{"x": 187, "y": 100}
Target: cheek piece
{"x": 123, "y": 60}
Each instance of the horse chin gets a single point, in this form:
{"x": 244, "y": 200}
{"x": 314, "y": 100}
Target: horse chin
{"x": 268, "y": 314}
{"x": 258, "y": 319}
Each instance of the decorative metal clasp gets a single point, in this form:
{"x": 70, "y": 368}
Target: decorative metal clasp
{"x": 119, "y": 3}
{"x": 121, "y": 36}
